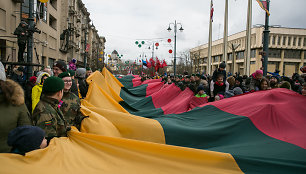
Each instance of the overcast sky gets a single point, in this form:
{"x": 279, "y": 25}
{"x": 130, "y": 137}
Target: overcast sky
{"x": 123, "y": 22}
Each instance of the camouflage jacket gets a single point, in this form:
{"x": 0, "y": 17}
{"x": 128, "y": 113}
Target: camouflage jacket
{"x": 71, "y": 108}
{"x": 49, "y": 117}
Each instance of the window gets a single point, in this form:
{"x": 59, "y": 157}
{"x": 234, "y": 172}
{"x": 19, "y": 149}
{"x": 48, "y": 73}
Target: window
{"x": 304, "y": 42}
{"x": 52, "y": 22}
{"x": 289, "y": 41}
{"x": 51, "y": 62}
{"x": 278, "y": 40}
{"x": 299, "y": 41}
{"x": 25, "y": 9}
{"x": 53, "y": 3}
{"x": 230, "y": 56}
{"x": 42, "y": 8}
{"x": 205, "y": 59}
{"x": 2, "y": 19}
{"x": 273, "y": 40}
{"x": 240, "y": 55}
{"x": 253, "y": 53}
{"x": 284, "y": 40}
{"x": 275, "y": 53}
{"x": 292, "y": 54}
{"x": 294, "y": 41}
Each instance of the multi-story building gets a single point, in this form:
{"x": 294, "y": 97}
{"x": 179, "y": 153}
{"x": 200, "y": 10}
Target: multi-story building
{"x": 66, "y": 32}
{"x": 287, "y": 47}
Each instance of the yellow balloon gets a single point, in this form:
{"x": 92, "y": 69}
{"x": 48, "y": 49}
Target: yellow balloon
{"x": 109, "y": 55}
{"x": 43, "y": 1}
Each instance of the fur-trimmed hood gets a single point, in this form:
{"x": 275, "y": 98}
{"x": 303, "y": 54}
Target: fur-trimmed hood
{"x": 12, "y": 92}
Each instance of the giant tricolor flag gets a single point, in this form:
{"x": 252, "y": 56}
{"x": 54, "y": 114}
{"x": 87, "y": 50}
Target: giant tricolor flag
{"x": 262, "y": 132}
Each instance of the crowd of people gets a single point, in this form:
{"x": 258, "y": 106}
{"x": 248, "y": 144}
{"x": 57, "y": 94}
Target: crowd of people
{"x": 41, "y": 108}
{"x": 48, "y": 104}
{"x": 224, "y": 85}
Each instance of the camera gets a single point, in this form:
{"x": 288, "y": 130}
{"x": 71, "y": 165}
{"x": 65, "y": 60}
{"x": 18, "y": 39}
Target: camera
{"x": 34, "y": 29}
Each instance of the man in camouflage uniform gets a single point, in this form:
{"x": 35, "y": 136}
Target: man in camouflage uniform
{"x": 47, "y": 114}
{"x": 71, "y": 102}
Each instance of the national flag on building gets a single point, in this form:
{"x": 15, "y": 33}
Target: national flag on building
{"x": 264, "y": 6}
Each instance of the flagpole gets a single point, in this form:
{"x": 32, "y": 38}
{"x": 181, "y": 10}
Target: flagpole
{"x": 266, "y": 41}
{"x": 247, "y": 59}
{"x": 225, "y": 33}
{"x": 209, "y": 40}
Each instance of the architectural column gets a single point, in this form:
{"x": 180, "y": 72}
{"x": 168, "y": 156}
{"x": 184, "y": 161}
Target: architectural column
{"x": 302, "y": 60}
{"x": 281, "y": 64}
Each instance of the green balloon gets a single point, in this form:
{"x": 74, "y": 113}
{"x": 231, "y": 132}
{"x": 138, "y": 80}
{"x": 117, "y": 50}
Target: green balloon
{"x": 139, "y": 46}
{"x": 136, "y": 42}
{"x": 143, "y": 42}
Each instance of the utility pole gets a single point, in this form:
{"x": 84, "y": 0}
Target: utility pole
{"x": 225, "y": 33}
{"x": 30, "y": 39}
{"x": 247, "y": 60}
{"x": 266, "y": 42}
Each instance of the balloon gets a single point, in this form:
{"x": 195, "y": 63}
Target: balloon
{"x": 170, "y": 51}
{"x": 139, "y": 45}
{"x": 169, "y": 40}
{"x": 136, "y": 42}
{"x": 143, "y": 42}
{"x": 157, "y": 44}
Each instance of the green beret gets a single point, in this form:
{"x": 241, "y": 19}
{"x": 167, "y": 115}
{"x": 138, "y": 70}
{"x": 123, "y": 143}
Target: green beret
{"x": 88, "y": 68}
{"x": 64, "y": 74}
{"x": 53, "y": 84}
{"x": 72, "y": 73}
{"x": 188, "y": 77}
{"x": 192, "y": 74}
{"x": 198, "y": 75}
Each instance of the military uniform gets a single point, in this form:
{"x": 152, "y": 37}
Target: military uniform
{"x": 50, "y": 118}
{"x": 71, "y": 109}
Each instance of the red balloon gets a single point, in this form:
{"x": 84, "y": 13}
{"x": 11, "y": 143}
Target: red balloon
{"x": 157, "y": 44}
{"x": 169, "y": 40}
{"x": 170, "y": 51}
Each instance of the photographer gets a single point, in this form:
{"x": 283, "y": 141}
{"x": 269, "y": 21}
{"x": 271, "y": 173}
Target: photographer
{"x": 22, "y": 36}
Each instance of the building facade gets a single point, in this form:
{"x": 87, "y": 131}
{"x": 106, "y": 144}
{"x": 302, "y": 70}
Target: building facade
{"x": 67, "y": 32}
{"x": 287, "y": 47}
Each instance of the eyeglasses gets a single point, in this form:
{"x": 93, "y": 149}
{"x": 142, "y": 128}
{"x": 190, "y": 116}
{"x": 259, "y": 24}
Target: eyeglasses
{"x": 67, "y": 81}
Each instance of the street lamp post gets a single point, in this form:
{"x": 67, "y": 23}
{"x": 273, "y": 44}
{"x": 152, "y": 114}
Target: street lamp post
{"x": 85, "y": 48}
{"x": 175, "y": 30}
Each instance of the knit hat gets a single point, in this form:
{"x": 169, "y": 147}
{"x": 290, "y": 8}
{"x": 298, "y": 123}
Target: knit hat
{"x": 26, "y": 138}
{"x": 33, "y": 79}
{"x": 20, "y": 69}
{"x": 222, "y": 65}
{"x": 72, "y": 73}
{"x": 80, "y": 72}
{"x": 2, "y": 72}
{"x": 53, "y": 84}
{"x": 64, "y": 74}
{"x": 239, "y": 78}
{"x": 237, "y": 91}
{"x": 61, "y": 65}
{"x": 257, "y": 72}
{"x": 200, "y": 88}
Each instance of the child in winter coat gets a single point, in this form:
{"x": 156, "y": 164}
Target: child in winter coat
{"x": 216, "y": 74}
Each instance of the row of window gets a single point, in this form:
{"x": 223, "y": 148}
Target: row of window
{"x": 287, "y": 40}
{"x": 273, "y": 53}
